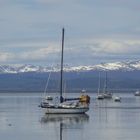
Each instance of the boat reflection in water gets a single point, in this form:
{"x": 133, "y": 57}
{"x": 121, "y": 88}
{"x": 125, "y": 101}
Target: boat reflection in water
{"x": 65, "y": 122}
{"x": 65, "y": 118}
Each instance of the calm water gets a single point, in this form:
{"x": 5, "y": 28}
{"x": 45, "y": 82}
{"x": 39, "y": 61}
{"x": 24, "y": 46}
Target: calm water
{"x": 22, "y": 119}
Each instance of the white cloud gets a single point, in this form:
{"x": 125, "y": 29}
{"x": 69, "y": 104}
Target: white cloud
{"x": 74, "y": 50}
{"x": 39, "y": 54}
{"x": 28, "y": 26}
{"x": 31, "y": 53}
{"x": 6, "y": 57}
{"x": 110, "y": 46}
{"x": 29, "y": 44}
{"x": 121, "y": 47}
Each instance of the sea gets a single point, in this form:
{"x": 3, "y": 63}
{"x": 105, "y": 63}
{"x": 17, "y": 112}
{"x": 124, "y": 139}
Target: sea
{"x": 21, "y": 118}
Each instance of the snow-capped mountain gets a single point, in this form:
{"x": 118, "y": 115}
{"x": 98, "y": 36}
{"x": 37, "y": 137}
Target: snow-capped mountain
{"x": 123, "y": 66}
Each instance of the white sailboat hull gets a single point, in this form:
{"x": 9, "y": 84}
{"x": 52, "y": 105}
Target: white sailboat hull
{"x": 107, "y": 95}
{"x": 65, "y": 110}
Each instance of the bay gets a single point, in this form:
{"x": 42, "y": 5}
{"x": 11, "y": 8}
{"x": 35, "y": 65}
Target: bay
{"x": 22, "y": 119}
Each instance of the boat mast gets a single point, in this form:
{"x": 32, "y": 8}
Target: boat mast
{"x": 61, "y": 78}
{"x": 99, "y": 84}
{"x": 105, "y": 82}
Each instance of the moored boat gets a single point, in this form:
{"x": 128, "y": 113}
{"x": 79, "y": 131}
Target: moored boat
{"x": 64, "y": 107}
{"x": 100, "y": 96}
{"x": 137, "y": 93}
{"x": 117, "y": 99}
{"x": 107, "y": 94}
{"x": 48, "y": 97}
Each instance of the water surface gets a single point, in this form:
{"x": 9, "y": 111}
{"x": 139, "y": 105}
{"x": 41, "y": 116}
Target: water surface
{"x": 22, "y": 119}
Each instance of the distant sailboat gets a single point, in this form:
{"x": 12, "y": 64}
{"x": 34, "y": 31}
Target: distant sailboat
{"x": 117, "y": 99}
{"x": 47, "y": 97}
{"x": 106, "y": 94}
{"x": 64, "y": 107}
{"x": 100, "y": 96}
{"x": 137, "y": 93}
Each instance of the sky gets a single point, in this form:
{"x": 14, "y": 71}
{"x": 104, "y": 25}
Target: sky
{"x": 96, "y": 31}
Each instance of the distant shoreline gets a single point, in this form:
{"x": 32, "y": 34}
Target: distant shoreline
{"x": 69, "y": 91}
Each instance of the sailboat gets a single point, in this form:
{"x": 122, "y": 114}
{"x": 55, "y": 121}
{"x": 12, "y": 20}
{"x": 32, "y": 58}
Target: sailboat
{"x": 106, "y": 94}
{"x": 137, "y": 93}
{"x": 64, "y": 107}
{"x": 100, "y": 96}
{"x": 117, "y": 99}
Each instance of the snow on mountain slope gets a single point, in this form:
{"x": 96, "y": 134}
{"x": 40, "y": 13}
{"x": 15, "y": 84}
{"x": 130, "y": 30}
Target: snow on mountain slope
{"x": 124, "y": 66}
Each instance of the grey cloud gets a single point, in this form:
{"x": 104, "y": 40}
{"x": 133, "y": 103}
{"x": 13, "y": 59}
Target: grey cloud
{"x": 28, "y": 27}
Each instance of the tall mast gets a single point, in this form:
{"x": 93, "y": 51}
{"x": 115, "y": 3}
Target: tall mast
{"x": 106, "y": 82}
{"x": 99, "y": 83}
{"x": 61, "y": 78}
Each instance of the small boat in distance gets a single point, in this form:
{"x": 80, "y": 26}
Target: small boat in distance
{"x": 83, "y": 91}
{"x": 100, "y": 96}
{"x": 107, "y": 94}
{"x": 117, "y": 99}
{"x": 64, "y": 107}
{"x": 48, "y": 97}
{"x": 137, "y": 93}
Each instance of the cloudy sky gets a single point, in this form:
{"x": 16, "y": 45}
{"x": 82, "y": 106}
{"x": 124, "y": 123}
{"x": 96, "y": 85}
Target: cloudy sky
{"x": 95, "y": 31}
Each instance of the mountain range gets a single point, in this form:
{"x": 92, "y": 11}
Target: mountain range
{"x": 122, "y": 77}
{"x": 116, "y": 66}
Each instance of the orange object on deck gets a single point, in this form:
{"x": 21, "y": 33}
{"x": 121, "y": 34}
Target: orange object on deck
{"x": 84, "y": 98}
